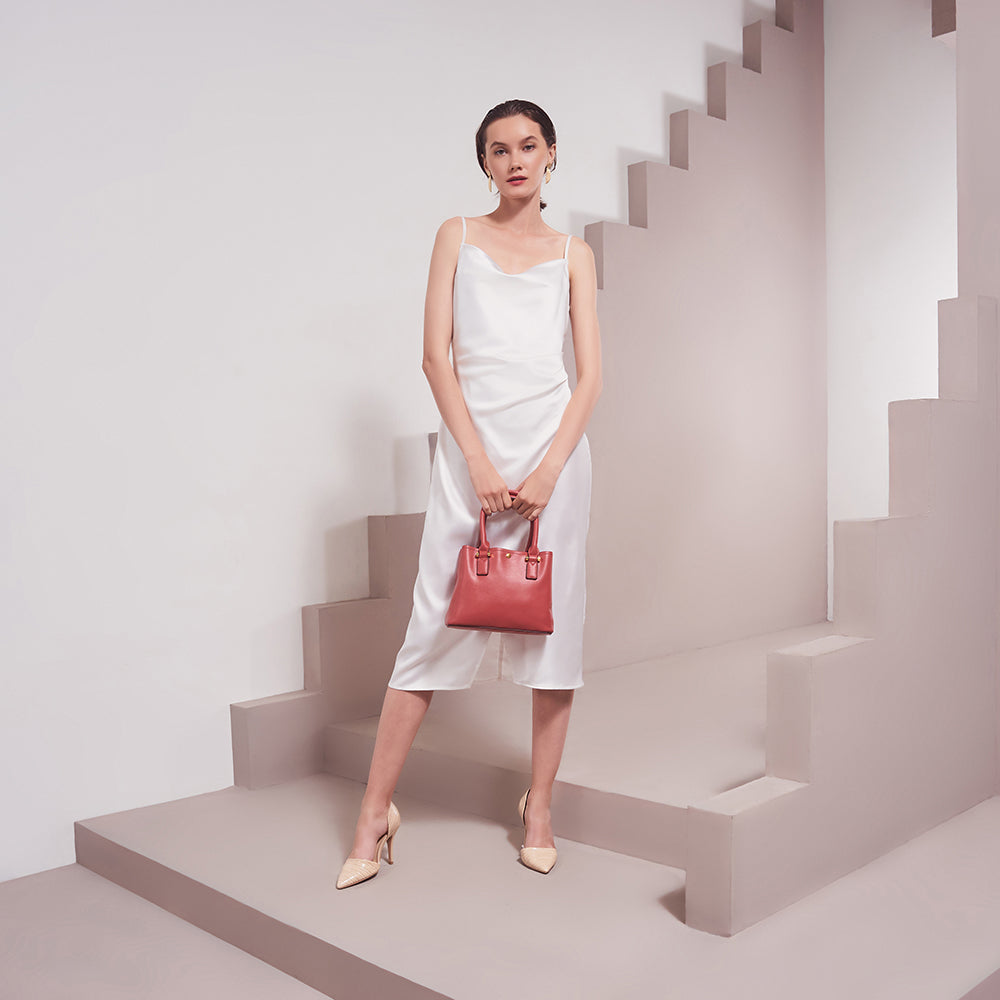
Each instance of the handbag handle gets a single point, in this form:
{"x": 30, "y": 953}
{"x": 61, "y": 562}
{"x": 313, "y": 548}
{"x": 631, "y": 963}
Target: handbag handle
{"x": 532, "y": 537}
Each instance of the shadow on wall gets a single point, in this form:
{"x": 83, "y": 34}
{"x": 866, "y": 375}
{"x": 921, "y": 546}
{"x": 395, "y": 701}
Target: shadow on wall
{"x": 757, "y": 12}
{"x": 627, "y": 155}
{"x": 345, "y": 545}
{"x": 412, "y": 456}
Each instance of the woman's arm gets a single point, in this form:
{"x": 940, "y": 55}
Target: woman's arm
{"x": 535, "y": 491}
{"x": 486, "y": 481}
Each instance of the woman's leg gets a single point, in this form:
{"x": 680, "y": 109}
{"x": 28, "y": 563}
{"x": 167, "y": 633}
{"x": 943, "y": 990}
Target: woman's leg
{"x": 402, "y": 713}
{"x": 549, "y": 723}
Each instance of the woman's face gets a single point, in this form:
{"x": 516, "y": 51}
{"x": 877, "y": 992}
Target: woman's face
{"x": 516, "y": 156}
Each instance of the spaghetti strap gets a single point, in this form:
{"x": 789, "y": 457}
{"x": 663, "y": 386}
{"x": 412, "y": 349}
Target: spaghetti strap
{"x": 463, "y": 228}
{"x": 566, "y": 251}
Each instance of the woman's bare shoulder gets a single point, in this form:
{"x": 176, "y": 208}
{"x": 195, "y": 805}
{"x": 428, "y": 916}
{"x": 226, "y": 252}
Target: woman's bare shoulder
{"x": 580, "y": 249}
{"x": 582, "y": 265}
{"x": 448, "y": 240}
{"x": 451, "y": 229}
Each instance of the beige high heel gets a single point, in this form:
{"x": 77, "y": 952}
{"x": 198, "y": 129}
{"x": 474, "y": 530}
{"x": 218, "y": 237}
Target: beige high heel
{"x": 357, "y": 870}
{"x": 539, "y": 859}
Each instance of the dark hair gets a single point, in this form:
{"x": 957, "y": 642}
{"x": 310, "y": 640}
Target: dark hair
{"x": 508, "y": 110}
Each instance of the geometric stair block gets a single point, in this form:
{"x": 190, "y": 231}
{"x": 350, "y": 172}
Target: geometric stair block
{"x": 713, "y": 418}
{"x": 349, "y": 649}
{"x": 256, "y": 869}
{"x": 890, "y": 728}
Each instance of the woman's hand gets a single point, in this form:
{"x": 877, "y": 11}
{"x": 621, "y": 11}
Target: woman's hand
{"x": 534, "y": 493}
{"x": 488, "y": 485}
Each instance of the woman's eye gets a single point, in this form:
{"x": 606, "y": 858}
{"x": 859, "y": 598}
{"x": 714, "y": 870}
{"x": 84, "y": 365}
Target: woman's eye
{"x": 530, "y": 145}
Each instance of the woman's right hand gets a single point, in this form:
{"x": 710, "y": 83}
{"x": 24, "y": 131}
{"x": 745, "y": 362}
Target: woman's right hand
{"x": 488, "y": 485}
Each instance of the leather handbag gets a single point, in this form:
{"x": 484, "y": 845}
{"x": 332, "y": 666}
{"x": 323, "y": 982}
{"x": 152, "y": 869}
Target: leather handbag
{"x": 503, "y": 590}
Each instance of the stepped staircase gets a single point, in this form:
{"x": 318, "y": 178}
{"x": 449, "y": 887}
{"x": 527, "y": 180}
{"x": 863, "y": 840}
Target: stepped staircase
{"x": 748, "y": 774}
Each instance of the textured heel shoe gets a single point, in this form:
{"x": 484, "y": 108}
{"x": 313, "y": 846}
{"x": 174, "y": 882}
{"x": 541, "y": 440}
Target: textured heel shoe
{"x": 539, "y": 859}
{"x": 357, "y": 870}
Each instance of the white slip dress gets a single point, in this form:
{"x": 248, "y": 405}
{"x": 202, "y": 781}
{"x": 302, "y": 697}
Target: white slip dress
{"x": 507, "y": 349}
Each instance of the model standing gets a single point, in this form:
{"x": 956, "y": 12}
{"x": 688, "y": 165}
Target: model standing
{"x": 503, "y": 292}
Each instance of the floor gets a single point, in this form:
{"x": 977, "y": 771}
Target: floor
{"x": 68, "y": 934}
{"x": 459, "y": 915}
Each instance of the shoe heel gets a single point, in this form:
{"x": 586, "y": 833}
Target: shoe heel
{"x": 388, "y": 848}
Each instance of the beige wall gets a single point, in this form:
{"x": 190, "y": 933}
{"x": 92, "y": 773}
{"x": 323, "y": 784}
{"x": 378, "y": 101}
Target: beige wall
{"x": 709, "y": 509}
{"x": 979, "y": 148}
{"x": 979, "y": 197}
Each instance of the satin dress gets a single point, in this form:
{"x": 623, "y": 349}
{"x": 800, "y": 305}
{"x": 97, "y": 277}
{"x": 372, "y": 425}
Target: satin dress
{"x": 507, "y": 349}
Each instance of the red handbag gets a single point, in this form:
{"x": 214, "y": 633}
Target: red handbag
{"x": 503, "y": 590}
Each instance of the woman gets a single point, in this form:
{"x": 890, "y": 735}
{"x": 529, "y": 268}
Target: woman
{"x": 503, "y": 289}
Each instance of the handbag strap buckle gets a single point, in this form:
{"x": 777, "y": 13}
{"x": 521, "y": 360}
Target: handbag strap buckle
{"x": 483, "y": 562}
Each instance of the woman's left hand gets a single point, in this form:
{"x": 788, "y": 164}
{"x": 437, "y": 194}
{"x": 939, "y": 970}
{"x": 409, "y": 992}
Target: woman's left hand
{"x": 534, "y": 492}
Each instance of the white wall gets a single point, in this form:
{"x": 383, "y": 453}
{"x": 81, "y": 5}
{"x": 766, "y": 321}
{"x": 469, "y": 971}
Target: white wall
{"x": 217, "y": 219}
{"x": 891, "y": 229}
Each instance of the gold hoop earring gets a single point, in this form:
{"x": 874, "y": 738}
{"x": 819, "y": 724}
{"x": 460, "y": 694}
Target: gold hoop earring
{"x": 548, "y": 174}
{"x": 489, "y": 182}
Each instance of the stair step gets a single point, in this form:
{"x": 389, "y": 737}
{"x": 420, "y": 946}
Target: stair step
{"x": 631, "y": 767}
{"x": 68, "y": 933}
{"x": 457, "y": 916}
